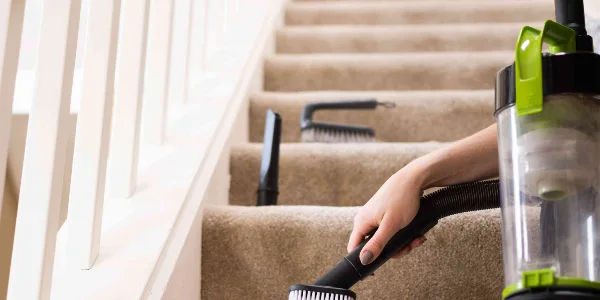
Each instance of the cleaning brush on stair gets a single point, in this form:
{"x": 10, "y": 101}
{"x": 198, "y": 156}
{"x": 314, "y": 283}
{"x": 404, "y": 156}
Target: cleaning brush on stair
{"x": 448, "y": 201}
{"x": 337, "y": 133}
{"x": 268, "y": 188}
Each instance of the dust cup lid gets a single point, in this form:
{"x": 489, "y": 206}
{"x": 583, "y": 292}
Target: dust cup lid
{"x": 563, "y": 73}
{"x": 535, "y": 75}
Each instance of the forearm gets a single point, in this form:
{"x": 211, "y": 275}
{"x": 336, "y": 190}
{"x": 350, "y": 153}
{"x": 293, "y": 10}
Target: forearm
{"x": 470, "y": 159}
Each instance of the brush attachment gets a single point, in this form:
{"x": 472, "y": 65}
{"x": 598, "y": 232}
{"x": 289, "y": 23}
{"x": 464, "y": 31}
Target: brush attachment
{"x": 268, "y": 186}
{"x": 440, "y": 204}
{"x": 322, "y": 132}
{"x": 315, "y": 292}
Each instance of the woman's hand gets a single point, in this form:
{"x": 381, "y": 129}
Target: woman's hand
{"x": 396, "y": 203}
{"x": 393, "y": 206}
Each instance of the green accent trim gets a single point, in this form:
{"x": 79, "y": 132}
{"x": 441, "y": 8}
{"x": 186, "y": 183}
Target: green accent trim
{"x": 528, "y": 62}
{"x": 546, "y": 277}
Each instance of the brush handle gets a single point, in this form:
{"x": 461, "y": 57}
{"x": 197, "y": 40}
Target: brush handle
{"x": 350, "y": 270}
{"x": 309, "y": 109}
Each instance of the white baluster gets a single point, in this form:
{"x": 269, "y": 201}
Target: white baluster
{"x": 131, "y": 64}
{"x": 11, "y": 27}
{"x": 45, "y": 154}
{"x": 93, "y": 133}
{"x": 180, "y": 57}
{"x": 197, "y": 44}
{"x": 156, "y": 90}
{"x": 213, "y": 31}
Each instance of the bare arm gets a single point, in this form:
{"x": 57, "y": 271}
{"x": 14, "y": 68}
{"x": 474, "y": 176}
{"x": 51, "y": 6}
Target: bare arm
{"x": 470, "y": 159}
{"x": 396, "y": 203}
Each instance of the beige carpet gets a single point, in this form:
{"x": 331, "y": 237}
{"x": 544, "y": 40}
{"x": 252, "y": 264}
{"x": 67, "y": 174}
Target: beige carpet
{"x": 437, "y": 61}
{"x": 257, "y": 253}
{"x": 397, "y": 38}
{"x": 418, "y": 12}
{"x": 453, "y": 114}
{"x": 338, "y": 175}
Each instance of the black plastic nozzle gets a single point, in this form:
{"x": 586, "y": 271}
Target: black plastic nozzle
{"x": 571, "y": 13}
{"x": 268, "y": 187}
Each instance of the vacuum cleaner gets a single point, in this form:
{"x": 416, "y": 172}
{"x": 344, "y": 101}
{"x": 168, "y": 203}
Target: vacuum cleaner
{"x": 548, "y": 118}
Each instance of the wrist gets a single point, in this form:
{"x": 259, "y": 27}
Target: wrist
{"x": 418, "y": 171}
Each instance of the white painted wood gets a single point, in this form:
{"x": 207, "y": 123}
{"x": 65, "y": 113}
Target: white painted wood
{"x": 144, "y": 236}
{"x": 131, "y": 65}
{"x": 45, "y": 151}
{"x": 197, "y": 44}
{"x": 154, "y": 118}
{"x": 213, "y": 30}
{"x": 93, "y": 133}
{"x": 180, "y": 53}
{"x": 11, "y": 27}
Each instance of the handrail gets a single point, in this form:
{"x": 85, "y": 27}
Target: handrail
{"x": 140, "y": 63}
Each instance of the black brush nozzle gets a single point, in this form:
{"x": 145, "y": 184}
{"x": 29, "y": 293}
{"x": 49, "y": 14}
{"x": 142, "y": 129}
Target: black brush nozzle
{"x": 268, "y": 187}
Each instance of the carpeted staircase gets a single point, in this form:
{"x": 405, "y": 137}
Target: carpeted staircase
{"x": 436, "y": 59}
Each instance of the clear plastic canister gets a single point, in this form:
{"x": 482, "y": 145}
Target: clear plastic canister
{"x": 549, "y": 183}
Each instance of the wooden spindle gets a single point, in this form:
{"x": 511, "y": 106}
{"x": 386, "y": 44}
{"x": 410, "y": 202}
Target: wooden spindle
{"x": 131, "y": 65}
{"x": 11, "y": 27}
{"x": 93, "y": 133}
{"x": 158, "y": 62}
{"x": 45, "y": 154}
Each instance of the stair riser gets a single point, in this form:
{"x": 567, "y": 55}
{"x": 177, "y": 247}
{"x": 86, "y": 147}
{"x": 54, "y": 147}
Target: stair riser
{"x": 418, "y": 117}
{"x": 251, "y": 253}
{"x": 387, "y": 40}
{"x": 417, "y": 12}
{"x": 327, "y": 175}
{"x": 384, "y": 72}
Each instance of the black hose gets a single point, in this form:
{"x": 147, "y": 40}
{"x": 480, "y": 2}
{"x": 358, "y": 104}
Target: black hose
{"x": 440, "y": 204}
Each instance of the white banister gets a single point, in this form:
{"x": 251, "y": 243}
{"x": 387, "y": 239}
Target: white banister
{"x": 129, "y": 85}
{"x": 154, "y": 118}
{"x": 44, "y": 158}
{"x": 93, "y": 133}
{"x": 11, "y": 27}
{"x": 182, "y": 43}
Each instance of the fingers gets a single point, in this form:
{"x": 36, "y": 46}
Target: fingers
{"x": 413, "y": 245}
{"x": 361, "y": 229}
{"x": 375, "y": 245}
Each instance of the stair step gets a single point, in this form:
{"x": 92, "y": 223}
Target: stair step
{"x": 323, "y": 174}
{"x": 258, "y": 252}
{"x": 405, "y": 38}
{"x": 418, "y": 116}
{"x": 408, "y": 71}
{"x": 417, "y": 12}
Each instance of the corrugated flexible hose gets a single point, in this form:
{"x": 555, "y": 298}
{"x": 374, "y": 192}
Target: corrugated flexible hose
{"x": 434, "y": 206}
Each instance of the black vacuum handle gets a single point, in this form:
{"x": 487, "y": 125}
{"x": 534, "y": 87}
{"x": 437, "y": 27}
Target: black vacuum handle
{"x": 353, "y": 270}
{"x": 571, "y": 13}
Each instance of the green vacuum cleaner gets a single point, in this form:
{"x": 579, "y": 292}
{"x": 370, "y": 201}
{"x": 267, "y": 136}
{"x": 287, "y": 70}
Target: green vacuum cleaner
{"x": 548, "y": 117}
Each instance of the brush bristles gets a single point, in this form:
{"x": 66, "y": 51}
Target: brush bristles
{"x": 310, "y": 295}
{"x": 317, "y": 135}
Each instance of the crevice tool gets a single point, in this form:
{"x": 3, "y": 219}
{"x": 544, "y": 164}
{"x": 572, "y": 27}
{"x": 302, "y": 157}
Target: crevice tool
{"x": 268, "y": 187}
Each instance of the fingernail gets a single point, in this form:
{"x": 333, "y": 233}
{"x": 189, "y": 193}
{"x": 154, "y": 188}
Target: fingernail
{"x": 366, "y": 257}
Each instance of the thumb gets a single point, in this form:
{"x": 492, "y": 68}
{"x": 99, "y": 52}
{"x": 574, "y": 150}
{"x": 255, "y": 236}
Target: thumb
{"x": 382, "y": 236}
